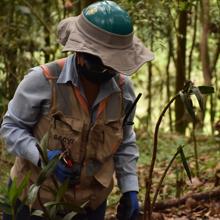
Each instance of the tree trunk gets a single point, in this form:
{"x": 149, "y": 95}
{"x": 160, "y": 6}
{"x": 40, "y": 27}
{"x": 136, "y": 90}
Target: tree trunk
{"x": 46, "y": 15}
{"x": 204, "y": 49}
{"x": 149, "y": 88}
{"x": 193, "y": 41}
{"x": 181, "y": 69}
{"x": 204, "y": 42}
{"x": 169, "y": 56}
{"x": 10, "y": 55}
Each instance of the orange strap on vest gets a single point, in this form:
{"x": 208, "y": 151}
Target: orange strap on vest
{"x": 84, "y": 104}
{"x": 46, "y": 70}
{"x": 102, "y": 106}
{"x": 61, "y": 62}
{"x": 81, "y": 99}
{"x": 47, "y": 73}
{"x": 103, "y": 103}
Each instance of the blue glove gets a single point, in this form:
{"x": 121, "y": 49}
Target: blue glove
{"x": 128, "y": 207}
{"x": 61, "y": 172}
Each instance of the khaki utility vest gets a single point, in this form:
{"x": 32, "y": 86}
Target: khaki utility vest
{"x": 68, "y": 123}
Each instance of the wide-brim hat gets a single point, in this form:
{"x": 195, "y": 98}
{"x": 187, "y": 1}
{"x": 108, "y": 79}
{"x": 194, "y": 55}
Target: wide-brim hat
{"x": 124, "y": 53}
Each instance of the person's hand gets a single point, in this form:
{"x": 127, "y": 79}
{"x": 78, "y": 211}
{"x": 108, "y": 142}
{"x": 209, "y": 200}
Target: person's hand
{"x": 62, "y": 172}
{"x": 128, "y": 207}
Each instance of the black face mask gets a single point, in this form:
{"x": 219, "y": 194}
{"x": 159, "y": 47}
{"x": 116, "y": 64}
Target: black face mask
{"x": 93, "y": 69}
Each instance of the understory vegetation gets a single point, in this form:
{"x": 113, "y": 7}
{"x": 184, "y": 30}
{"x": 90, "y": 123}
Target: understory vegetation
{"x": 176, "y": 183}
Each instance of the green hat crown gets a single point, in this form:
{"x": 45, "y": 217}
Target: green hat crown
{"x": 110, "y": 17}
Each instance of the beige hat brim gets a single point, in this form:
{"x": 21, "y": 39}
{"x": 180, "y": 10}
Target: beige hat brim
{"x": 124, "y": 60}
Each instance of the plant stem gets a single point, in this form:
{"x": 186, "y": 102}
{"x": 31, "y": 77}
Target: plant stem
{"x": 162, "y": 178}
{"x": 47, "y": 215}
{"x": 147, "y": 202}
{"x": 13, "y": 213}
{"x": 195, "y": 150}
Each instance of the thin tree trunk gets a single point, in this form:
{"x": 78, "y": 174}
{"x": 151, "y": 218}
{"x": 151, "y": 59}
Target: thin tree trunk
{"x": 216, "y": 57}
{"x": 46, "y": 15}
{"x": 213, "y": 96}
{"x": 204, "y": 42}
{"x": 170, "y": 49}
{"x": 181, "y": 68}
{"x": 10, "y": 58}
{"x": 204, "y": 49}
{"x": 193, "y": 41}
{"x": 149, "y": 86}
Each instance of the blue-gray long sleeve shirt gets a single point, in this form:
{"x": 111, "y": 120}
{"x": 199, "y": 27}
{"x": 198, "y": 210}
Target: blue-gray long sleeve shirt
{"x": 32, "y": 99}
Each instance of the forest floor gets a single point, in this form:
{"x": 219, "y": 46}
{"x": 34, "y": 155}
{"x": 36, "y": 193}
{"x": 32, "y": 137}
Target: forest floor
{"x": 195, "y": 198}
{"x": 180, "y": 198}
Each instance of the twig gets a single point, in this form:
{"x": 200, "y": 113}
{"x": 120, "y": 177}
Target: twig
{"x": 147, "y": 202}
{"x": 42, "y": 205}
{"x": 162, "y": 178}
{"x": 211, "y": 195}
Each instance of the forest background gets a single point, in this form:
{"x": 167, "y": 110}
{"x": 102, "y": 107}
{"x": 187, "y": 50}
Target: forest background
{"x": 185, "y": 37}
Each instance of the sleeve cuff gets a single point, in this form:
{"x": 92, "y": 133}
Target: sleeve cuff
{"x": 32, "y": 154}
{"x": 128, "y": 183}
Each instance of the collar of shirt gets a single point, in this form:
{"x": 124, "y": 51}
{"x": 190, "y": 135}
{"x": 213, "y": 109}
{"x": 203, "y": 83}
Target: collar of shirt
{"x": 69, "y": 74}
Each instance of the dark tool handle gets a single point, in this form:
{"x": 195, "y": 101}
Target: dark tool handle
{"x": 131, "y": 108}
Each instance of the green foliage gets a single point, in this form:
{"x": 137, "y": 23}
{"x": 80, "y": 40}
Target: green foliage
{"x": 50, "y": 209}
{"x": 184, "y": 94}
{"x": 25, "y": 37}
{"x": 184, "y": 161}
{"x": 32, "y": 194}
{"x": 206, "y": 89}
{"x": 8, "y": 200}
{"x": 47, "y": 170}
{"x": 188, "y": 90}
{"x": 150, "y": 20}
{"x": 28, "y": 38}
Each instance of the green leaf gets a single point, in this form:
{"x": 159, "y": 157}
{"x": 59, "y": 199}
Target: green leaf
{"x": 12, "y": 192}
{"x": 183, "y": 6}
{"x": 61, "y": 191}
{"x": 32, "y": 193}
{"x": 188, "y": 104}
{"x": 69, "y": 216}
{"x": 39, "y": 213}
{"x": 184, "y": 161}
{"x": 23, "y": 184}
{"x": 50, "y": 204}
{"x": 206, "y": 89}
{"x": 68, "y": 206}
{"x": 199, "y": 97}
{"x": 4, "y": 206}
{"x": 47, "y": 170}
{"x": 2, "y": 198}
{"x": 53, "y": 211}
{"x": 44, "y": 147}
{"x": 15, "y": 191}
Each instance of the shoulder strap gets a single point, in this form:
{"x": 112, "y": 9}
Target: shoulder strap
{"x": 53, "y": 69}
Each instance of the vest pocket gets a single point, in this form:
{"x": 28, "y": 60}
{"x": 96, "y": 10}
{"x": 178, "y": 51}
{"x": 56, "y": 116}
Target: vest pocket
{"x": 105, "y": 140}
{"x": 65, "y": 133}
